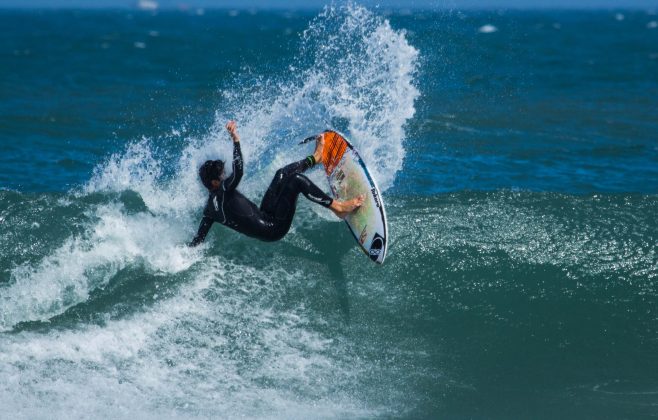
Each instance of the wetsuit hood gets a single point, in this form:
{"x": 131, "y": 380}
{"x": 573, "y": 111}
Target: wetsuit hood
{"x": 211, "y": 170}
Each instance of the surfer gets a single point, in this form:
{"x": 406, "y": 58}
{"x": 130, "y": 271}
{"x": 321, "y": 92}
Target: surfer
{"x": 271, "y": 221}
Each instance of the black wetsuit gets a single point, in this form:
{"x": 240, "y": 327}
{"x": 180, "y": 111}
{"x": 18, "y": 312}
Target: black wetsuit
{"x": 269, "y": 222}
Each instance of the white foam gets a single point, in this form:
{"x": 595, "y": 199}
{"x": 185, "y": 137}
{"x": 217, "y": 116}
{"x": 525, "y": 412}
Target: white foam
{"x": 187, "y": 354}
{"x": 190, "y": 355}
{"x": 652, "y": 25}
{"x": 150, "y": 5}
{"x": 487, "y": 29}
{"x": 372, "y": 91}
{"x": 361, "y": 73}
{"x": 82, "y": 264}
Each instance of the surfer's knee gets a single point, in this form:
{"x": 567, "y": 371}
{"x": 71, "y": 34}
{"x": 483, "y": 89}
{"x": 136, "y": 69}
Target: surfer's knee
{"x": 280, "y": 174}
{"x": 275, "y": 235}
{"x": 300, "y": 179}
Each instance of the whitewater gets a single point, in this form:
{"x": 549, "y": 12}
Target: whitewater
{"x": 516, "y": 153}
{"x": 115, "y": 316}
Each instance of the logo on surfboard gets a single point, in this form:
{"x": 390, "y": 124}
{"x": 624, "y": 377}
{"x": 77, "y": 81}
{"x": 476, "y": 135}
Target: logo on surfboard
{"x": 364, "y": 233}
{"x": 375, "y": 195}
{"x": 376, "y": 247}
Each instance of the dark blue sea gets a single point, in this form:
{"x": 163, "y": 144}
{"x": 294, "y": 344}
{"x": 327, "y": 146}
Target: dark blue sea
{"x": 517, "y": 154}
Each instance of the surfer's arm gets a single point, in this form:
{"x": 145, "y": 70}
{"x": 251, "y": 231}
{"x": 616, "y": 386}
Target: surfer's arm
{"x": 204, "y": 227}
{"x": 232, "y": 181}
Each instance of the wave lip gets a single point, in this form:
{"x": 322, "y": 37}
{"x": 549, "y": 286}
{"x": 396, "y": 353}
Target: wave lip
{"x": 361, "y": 76}
{"x": 225, "y": 331}
{"x": 116, "y": 240}
{"x": 354, "y": 72}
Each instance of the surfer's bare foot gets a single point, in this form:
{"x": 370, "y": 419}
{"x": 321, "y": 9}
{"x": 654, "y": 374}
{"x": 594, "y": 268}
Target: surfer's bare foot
{"x": 319, "y": 146}
{"x": 344, "y": 208}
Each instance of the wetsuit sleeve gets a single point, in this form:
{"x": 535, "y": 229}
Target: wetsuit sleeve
{"x": 204, "y": 227}
{"x": 232, "y": 181}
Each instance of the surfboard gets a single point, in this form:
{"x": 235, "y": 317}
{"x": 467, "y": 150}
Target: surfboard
{"x": 349, "y": 177}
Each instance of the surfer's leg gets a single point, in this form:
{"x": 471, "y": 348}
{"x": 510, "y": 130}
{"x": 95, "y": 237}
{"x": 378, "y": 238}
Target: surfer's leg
{"x": 294, "y": 185}
{"x": 302, "y": 165}
{"x": 271, "y": 195}
{"x": 273, "y": 191}
{"x": 286, "y": 202}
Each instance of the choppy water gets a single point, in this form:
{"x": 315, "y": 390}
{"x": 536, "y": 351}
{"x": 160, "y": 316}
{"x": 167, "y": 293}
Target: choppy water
{"x": 517, "y": 154}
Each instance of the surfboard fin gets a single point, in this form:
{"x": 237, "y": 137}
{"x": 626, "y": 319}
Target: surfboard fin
{"x": 309, "y": 139}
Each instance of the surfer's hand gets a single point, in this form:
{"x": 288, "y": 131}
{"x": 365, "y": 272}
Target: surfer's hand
{"x": 232, "y": 128}
{"x": 343, "y": 208}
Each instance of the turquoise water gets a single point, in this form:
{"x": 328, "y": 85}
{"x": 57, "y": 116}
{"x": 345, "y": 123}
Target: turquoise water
{"x": 516, "y": 153}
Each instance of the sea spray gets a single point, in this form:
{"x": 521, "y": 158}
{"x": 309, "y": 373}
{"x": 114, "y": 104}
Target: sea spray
{"x": 122, "y": 318}
{"x": 360, "y": 78}
{"x": 115, "y": 240}
{"x": 536, "y": 302}
{"x": 354, "y": 73}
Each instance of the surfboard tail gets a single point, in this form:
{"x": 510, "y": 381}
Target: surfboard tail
{"x": 334, "y": 149}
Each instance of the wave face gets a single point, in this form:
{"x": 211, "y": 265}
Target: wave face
{"x": 520, "y": 281}
{"x": 125, "y": 326}
{"x": 106, "y": 311}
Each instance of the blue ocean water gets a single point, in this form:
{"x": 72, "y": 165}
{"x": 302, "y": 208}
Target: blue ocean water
{"x": 517, "y": 155}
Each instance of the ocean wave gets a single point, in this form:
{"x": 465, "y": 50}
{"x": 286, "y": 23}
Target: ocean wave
{"x": 109, "y": 307}
{"x": 306, "y": 322}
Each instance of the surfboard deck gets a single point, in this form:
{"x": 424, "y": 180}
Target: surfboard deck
{"x": 349, "y": 177}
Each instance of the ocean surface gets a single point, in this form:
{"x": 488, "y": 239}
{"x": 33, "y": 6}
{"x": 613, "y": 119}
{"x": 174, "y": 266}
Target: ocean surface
{"x": 517, "y": 153}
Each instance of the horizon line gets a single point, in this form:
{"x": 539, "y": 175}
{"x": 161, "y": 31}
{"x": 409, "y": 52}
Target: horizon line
{"x": 314, "y": 8}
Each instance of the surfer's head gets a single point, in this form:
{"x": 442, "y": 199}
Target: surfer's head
{"x": 211, "y": 170}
